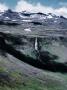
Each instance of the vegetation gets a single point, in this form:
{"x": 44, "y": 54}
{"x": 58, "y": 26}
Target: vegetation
{"x": 16, "y": 81}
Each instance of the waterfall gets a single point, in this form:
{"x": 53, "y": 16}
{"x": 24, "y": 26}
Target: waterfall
{"x": 36, "y": 44}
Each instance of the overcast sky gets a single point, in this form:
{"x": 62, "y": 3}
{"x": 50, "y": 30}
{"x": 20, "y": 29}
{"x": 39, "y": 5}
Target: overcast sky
{"x": 58, "y": 7}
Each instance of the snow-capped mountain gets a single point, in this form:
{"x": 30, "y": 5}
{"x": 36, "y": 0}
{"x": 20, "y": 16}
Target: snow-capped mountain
{"x": 48, "y": 20}
{"x": 1, "y": 13}
{"x": 10, "y": 15}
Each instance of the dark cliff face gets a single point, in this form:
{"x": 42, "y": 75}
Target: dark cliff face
{"x": 23, "y": 48}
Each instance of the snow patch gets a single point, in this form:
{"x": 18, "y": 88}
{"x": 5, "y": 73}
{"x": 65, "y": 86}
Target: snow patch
{"x": 55, "y": 21}
{"x": 27, "y": 20}
{"x": 14, "y": 20}
{"x": 7, "y": 18}
{"x": 49, "y": 17}
{"x": 27, "y": 29}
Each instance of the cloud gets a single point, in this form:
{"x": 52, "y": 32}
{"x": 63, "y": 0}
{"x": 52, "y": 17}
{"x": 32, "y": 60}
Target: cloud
{"x": 3, "y": 7}
{"x": 24, "y": 5}
{"x": 61, "y": 11}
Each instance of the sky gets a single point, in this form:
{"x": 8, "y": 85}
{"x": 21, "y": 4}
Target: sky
{"x": 52, "y": 3}
{"x": 58, "y": 7}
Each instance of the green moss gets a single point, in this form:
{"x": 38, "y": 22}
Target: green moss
{"x": 26, "y": 83}
{"x": 22, "y": 82}
{"x": 2, "y": 69}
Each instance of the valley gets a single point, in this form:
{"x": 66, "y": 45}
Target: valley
{"x": 33, "y": 51}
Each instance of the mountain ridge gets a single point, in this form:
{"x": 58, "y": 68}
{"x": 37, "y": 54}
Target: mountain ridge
{"x": 50, "y": 20}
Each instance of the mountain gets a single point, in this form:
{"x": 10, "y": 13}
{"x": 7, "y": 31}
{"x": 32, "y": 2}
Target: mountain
{"x": 10, "y": 15}
{"x": 49, "y": 21}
